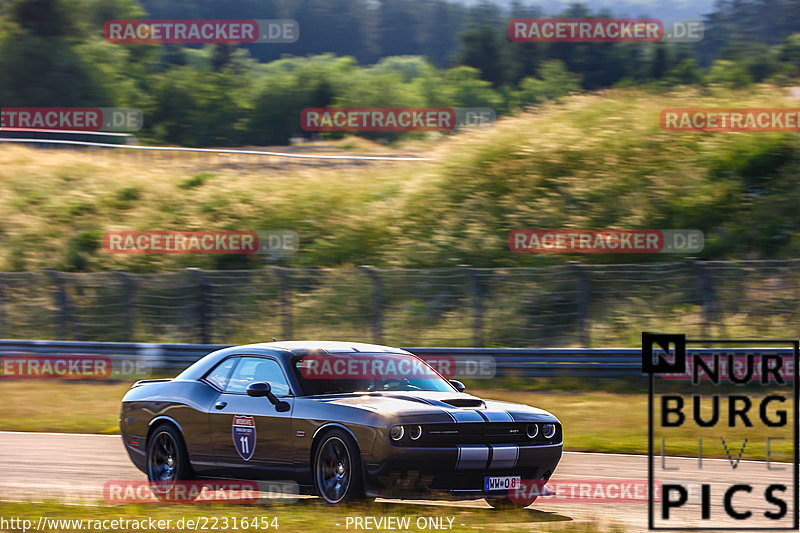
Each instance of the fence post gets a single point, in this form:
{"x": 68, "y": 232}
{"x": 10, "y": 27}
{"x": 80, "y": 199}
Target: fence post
{"x": 706, "y": 293}
{"x": 204, "y": 305}
{"x": 286, "y": 302}
{"x": 377, "y": 303}
{"x": 476, "y": 301}
{"x": 583, "y": 304}
{"x": 128, "y": 294}
{"x": 64, "y": 325}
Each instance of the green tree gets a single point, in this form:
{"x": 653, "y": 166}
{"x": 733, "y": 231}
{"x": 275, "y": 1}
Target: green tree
{"x": 728, "y": 73}
{"x": 687, "y": 72}
{"x": 485, "y": 45}
{"x": 463, "y": 87}
{"x": 553, "y": 82}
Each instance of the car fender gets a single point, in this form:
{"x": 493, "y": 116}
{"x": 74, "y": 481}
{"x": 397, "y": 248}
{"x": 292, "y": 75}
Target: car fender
{"x": 331, "y": 425}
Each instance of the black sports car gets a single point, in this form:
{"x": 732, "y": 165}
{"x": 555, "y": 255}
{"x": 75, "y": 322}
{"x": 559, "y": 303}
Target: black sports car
{"x": 342, "y": 420}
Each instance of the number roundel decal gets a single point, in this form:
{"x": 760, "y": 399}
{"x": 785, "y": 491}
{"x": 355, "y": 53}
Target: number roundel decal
{"x": 244, "y": 436}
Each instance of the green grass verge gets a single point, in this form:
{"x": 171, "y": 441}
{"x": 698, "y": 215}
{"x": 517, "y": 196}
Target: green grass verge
{"x": 42, "y": 405}
{"x": 300, "y": 517}
{"x": 594, "y": 421}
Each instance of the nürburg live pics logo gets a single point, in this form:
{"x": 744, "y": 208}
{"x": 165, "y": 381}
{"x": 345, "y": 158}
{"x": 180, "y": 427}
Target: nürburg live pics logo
{"x": 723, "y": 433}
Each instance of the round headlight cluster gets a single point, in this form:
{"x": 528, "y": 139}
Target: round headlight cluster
{"x": 531, "y": 430}
{"x": 548, "y": 430}
{"x": 396, "y": 432}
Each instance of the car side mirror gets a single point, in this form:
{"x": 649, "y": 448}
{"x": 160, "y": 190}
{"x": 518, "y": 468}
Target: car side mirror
{"x": 262, "y": 389}
{"x": 458, "y": 385}
{"x": 259, "y": 389}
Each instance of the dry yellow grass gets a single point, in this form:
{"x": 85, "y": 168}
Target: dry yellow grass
{"x": 595, "y": 160}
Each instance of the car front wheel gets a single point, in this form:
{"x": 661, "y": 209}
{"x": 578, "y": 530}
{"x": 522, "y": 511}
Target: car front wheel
{"x": 337, "y": 468}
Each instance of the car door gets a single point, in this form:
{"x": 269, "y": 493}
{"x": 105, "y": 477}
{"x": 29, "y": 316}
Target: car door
{"x": 250, "y": 437}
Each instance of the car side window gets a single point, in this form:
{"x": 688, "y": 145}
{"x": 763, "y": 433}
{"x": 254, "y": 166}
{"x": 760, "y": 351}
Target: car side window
{"x": 219, "y": 376}
{"x": 257, "y": 369}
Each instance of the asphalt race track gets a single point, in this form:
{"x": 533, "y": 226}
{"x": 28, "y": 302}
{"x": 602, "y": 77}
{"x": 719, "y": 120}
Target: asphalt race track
{"x": 48, "y": 466}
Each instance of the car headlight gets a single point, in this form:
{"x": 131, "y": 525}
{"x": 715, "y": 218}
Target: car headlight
{"x": 548, "y": 430}
{"x": 415, "y": 432}
{"x": 531, "y": 430}
{"x": 396, "y": 432}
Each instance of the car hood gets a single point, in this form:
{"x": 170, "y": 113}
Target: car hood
{"x": 434, "y": 406}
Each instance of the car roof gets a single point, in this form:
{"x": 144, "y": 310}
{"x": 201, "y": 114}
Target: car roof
{"x": 299, "y": 347}
{"x": 284, "y": 351}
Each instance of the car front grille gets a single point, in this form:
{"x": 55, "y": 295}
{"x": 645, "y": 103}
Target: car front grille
{"x": 480, "y": 433}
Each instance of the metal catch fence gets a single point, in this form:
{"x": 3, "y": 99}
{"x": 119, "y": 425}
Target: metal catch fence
{"x": 571, "y": 305}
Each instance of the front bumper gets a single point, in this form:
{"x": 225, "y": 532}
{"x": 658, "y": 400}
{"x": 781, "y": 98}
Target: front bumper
{"x": 455, "y": 472}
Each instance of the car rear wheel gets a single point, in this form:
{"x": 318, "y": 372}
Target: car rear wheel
{"x": 337, "y": 468}
{"x": 168, "y": 465}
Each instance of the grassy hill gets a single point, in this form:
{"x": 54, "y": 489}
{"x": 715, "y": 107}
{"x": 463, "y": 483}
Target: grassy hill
{"x": 591, "y": 161}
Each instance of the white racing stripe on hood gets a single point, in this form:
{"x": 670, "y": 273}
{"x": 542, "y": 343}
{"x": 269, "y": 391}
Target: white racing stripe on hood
{"x": 497, "y": 416}
{"x": 467, "y": 414}
{"x": 464, "y": 416}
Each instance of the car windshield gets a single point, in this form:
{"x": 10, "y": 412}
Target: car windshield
{"x": 360, "y": 372}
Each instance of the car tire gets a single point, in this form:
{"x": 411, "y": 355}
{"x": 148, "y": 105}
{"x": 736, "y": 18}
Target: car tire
{"x": 337, "y": 468}
{"x": 168, "y": 464}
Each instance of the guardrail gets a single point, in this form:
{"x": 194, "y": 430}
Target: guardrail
{"x": 526, "y": 362}
{"x": 50, "y": 138}
{"x": 172, "y": 358}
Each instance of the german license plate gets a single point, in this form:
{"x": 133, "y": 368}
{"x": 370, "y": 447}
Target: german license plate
{"x": 501, "y": 483}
